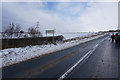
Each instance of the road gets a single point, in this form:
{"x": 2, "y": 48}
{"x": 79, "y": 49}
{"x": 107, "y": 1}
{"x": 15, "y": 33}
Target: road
{"x": 98, "y": 58}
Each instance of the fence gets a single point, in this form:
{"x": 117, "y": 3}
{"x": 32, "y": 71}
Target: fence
{"x": 22, "y": 42}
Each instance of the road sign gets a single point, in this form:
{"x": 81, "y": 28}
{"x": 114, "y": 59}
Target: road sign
{"x": 50, "y": 32}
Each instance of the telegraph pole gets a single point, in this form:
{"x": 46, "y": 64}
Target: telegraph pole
{"x": 37, "y": 24}
{"x": 37, "y": 28}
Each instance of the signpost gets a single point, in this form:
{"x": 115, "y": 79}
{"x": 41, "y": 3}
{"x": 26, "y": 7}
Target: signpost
{"x": 50, "y": 32}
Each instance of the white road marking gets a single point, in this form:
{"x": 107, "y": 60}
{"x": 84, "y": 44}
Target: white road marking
{"x": 79, "y": 61}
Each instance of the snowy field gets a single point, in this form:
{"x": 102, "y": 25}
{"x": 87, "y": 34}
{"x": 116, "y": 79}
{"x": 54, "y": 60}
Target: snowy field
{"x": 15, "y": 55}
{"x": 72, "y": 35}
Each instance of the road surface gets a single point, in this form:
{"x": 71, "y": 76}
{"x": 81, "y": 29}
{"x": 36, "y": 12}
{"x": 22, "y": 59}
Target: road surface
{"x": 98, "y": 58}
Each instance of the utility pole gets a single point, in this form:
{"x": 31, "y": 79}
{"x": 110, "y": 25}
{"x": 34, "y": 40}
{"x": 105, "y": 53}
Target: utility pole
{"x": 37, "y": 28}
{"x": 37, "y": 24}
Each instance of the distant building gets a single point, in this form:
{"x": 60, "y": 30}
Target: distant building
{"x": 112, "y": 30}
{"x": 118, "y": 30}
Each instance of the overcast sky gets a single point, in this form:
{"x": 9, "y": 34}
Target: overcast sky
{"x": 61, "y": 16}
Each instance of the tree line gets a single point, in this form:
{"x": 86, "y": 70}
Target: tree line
{"x": 15, "y": 31}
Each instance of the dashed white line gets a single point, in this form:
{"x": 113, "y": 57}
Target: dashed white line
{"x": 79, "y": 61}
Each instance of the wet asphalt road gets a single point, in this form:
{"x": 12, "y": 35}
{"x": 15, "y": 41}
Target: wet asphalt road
{"x": 102, "y": 63}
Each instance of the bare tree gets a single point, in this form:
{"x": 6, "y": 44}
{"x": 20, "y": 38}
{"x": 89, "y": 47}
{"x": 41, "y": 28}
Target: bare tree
{"x": 7, "y": 33}
{"x": 32, "y": 31}
{"x": 39, "y": 34}
{"x": 17, "y": 31}
{"x": 10, "y": 30}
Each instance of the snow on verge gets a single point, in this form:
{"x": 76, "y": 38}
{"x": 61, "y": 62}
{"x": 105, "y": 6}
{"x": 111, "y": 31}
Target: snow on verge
{"x": 15, "y": 55}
